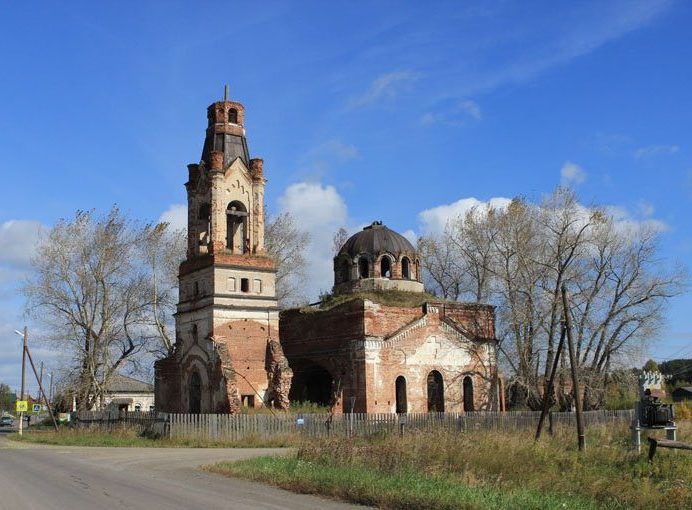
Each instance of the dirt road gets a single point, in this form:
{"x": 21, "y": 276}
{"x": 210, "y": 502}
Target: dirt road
{"x": 60, "y": 478}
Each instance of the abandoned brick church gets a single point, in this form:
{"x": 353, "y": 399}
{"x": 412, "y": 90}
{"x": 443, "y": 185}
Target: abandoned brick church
{"x": 362, "y": 352}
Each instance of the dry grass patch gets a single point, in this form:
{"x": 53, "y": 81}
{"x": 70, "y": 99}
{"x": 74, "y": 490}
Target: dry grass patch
{"x": 491, "y": 466}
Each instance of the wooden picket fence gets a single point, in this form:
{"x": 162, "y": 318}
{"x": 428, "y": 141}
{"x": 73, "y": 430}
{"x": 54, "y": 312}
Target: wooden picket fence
{"x": 108, "y": 420}
{"x": 224, "y": 427}
{"x": 230, "y": 428}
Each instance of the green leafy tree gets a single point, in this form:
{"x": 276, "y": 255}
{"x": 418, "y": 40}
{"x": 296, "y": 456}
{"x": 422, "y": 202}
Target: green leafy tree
{"x": 651, "y": 366}
{"x": 6, "y": 397}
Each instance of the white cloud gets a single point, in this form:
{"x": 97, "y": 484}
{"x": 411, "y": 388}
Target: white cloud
{"x": 321, "y": 159}
{"x": 655, "y": 150}
{"x": 452, "y": 114}
{"x": 434, "y": 220}
{"x": 175, "y": 216}
{"x": 571, "y": 173}
{"x": 320, "y": 211}
{"x": 626, "y": 222}
{"x": 646, "y": 209}
{"x": 411, "y": 236}
{"x": 385, "y": 86}
{"x": 18, "y": 239}
{"x": 581, "y": 31}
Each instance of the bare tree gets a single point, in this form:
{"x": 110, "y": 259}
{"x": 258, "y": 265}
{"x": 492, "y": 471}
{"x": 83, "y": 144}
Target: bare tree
{"x": 92, "y": 288}
{"x": 444, "y": 273}
{"x": 162, "y": 250}
{"x": 286, "y": 243}
{"x": 340, "y": 238}
{"x": 518, "y": 258}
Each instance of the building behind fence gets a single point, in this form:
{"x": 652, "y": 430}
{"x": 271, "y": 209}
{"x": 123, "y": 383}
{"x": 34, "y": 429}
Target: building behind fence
{"x": 238, "y": 427}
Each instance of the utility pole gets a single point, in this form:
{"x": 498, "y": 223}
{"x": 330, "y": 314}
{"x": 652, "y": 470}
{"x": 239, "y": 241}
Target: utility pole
{"x": 40, "y": 387}
{"x": 573, "y": 363}
{"x": 41, "y": 373}
{"x": 21, "y": 397}
{"x": 50, "y": 390}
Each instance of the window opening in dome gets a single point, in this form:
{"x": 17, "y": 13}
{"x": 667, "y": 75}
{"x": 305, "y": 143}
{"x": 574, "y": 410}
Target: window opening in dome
{"x": 363, "y": 269}
{"x": 233, "y": 116}
{"x": 405, "y": 271}
{"x": 344, "y": 271}
{"x": 385, "y": 267}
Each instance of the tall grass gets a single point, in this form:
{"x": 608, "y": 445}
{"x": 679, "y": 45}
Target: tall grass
{"x": 608, "y": 472}
{"x": 489, "y": 466}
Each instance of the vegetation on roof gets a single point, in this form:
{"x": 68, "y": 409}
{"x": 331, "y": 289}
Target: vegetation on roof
{"x": 384, "y": 297}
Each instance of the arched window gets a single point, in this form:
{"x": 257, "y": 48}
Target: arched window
{"x": 195, "y": 397}
{"x": 385, "y": 267}
{"x": 400, "y": 386}
{"x": 236, "y": 227}
{"x": 233, "y": 116}
{"x": 204, "y": 212}
{"x": 405, "y": 270}
{"x": 204, "y": 216}
{"x": 363, "y": 267}
{"x": 436, "y": 392}
{"x": 468, "y": 394}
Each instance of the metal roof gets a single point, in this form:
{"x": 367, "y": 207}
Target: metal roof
{"x": 376, "y": 239}
{"x": 122, "y": 384}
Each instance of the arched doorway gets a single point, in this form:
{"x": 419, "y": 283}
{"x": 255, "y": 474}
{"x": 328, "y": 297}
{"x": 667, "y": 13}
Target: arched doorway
{"x": 401, "y": 404}
{"x": 436, "y": 392}
{"x": 468, "y": 394}
{"x": 311, "y": 383}
{"x": 195, "y": 396}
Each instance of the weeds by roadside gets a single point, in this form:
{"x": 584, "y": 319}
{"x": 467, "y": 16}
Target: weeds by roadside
{"x": 480, "y": 469}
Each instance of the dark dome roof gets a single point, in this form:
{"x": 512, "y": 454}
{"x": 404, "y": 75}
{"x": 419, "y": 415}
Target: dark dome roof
{"x": 376, "y": 239}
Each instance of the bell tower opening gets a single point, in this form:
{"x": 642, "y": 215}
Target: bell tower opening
{"x": 236, "y": 227}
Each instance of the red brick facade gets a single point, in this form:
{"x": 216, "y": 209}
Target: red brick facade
{"x": 364, "y": 347}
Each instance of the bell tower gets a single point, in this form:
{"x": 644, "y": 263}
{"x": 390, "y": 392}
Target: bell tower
{"x": 227, "y": 351}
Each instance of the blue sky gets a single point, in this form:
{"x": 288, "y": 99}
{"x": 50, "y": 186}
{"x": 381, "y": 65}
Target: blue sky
{"x": 399, "y": 111}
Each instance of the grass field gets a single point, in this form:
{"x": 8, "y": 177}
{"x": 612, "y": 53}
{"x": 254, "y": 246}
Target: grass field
{"x": 483, "y": 470}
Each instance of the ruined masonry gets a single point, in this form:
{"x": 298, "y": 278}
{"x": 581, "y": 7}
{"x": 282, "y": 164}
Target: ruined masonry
{"x": 361, "y": 355}
{"x": 367, "y": 355}
{"x": 227, "y": 352}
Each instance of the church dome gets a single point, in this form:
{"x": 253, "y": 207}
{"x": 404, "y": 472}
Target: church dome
{"x": 376, "y": 239}
{"x": 375, "y": 259}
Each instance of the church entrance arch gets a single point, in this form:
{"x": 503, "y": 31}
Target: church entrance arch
{"x": 436, "y": 392}
{"x": 195, "y": 396}
{"x": 468, "y": 394}
{"x": 311, "y": 383}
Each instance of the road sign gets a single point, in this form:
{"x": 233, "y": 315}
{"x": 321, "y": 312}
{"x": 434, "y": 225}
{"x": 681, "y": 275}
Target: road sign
{"x": 36, "y": 408}
{"x": 22, "y": 406}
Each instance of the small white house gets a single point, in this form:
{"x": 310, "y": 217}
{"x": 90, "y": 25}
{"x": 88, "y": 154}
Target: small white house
{"x": 128, "y": 394}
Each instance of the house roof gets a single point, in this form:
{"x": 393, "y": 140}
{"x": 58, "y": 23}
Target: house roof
{"x": 122, "y": 384}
